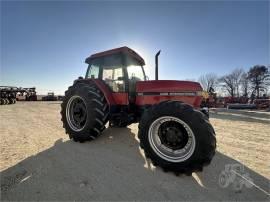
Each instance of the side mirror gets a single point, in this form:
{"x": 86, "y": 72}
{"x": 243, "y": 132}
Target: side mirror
{"x": 80, "y": 77}
{"x": 146, "y": 78}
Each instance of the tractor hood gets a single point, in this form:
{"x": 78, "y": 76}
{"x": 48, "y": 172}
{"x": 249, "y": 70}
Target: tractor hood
{"x": 168, "y": 86}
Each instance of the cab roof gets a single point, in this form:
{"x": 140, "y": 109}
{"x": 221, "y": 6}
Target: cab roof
{"x": 124, "y": 49}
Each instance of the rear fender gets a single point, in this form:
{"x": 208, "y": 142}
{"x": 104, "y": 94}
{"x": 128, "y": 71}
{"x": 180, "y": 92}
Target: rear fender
{"x": 102, "y": 87}
{"x": 111, "y": 97}
{"x": 105, "y": 90}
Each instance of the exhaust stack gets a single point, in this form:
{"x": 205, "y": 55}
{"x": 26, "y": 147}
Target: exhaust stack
{"x": 156, "y": 61}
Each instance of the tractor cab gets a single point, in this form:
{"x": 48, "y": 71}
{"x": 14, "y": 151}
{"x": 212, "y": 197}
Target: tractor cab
{"x": 119, "y": 68}
{"x": 121, "y": 71}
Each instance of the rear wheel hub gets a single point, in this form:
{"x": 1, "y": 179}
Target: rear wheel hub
{"x": 171, "y": 138}
{"x": 173, "y": 135}
{"x": 76, "y": 113}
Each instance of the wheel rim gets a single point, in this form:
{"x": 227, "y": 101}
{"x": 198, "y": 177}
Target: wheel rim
{"x": 76, "y": 113}
{"x": 171, "y": 139}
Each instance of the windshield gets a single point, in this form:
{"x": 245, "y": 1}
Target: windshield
{"x": 135, "y": 73}
{"x": 134, "y": 69}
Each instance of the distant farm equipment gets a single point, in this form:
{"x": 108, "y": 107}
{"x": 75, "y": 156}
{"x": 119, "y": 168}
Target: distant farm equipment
{"x": 12, "y": 94}
{"x": 50, "y": 97}
{"x": 8, "y": 94}
{"x": 212, "y": 101}
{"x": 30, "y": 94}
{"x": 262, "y": 103}
{"x": 241, "y": 106}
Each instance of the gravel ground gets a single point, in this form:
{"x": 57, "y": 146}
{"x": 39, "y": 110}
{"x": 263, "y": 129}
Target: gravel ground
{"x": 39, "y": 162}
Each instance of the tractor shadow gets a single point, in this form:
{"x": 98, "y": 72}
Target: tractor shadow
{"x": 114, "y": 168}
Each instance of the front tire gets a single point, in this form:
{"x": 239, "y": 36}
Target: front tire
{"x": 176, "y": 137}
{"x": 84, "y": 112}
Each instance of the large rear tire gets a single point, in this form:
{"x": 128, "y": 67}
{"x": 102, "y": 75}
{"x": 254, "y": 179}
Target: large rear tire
{"x": 84, "y": 112}
{"x": 176, "y": 137}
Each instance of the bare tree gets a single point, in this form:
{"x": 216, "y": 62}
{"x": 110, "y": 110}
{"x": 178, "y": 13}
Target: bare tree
{"x": 231, "y": 82}
{"x": 209, "y": 82}
{"x": 227, "y": 82}
{"x": 237, "y": 74}
{"x": 245, "y": 84}
{"x": 259, "y": 76}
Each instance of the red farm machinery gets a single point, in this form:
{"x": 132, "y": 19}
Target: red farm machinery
{"x": 174, "y": 131}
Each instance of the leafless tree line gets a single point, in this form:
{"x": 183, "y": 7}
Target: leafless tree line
{"x": 255, "y": 82}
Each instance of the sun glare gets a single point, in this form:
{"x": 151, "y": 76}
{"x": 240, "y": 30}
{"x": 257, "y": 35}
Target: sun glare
{"x": 148, "y": 58}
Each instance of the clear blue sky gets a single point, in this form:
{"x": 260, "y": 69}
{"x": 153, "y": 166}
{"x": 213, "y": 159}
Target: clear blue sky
{"x": 44, "y": 44}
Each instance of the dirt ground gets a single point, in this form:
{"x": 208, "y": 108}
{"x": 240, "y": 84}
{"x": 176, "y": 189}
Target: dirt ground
{"x": 39, "y": 162}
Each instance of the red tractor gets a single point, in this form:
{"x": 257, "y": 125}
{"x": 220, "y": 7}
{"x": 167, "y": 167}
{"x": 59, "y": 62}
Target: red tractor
{"x": 174, "y": 133}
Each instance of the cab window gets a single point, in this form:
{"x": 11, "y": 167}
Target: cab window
{"x": 93, "y": 72}
{"x": 113, "y": 77}
{"x": 134, "y": 69}
{"x": 135, "y": 73}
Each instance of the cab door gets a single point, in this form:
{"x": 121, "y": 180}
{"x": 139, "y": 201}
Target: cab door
{"x": 113, "y": 76}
